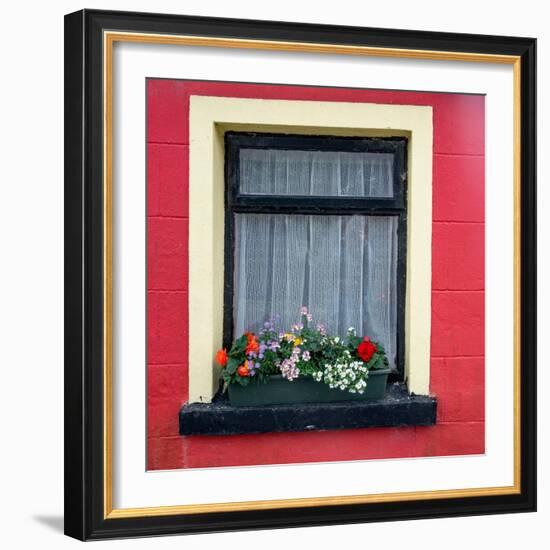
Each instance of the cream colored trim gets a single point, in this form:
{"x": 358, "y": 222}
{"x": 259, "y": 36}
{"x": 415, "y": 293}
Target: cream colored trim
{"x": 210, "y": 117}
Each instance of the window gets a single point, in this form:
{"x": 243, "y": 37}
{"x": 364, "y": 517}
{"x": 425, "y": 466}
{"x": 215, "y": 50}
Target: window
{"x": 318, "y": 221}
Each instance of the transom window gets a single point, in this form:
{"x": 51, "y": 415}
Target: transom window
{"x": 316, "y": 221}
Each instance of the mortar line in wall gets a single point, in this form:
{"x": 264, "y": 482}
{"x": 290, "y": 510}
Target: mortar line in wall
{"x": 177, "y": 143}
{"x": 176, "y": 364}
{"x": 478, "y": 155}
{"x": 457, "y": 357}
{"x": 458, "y": 290}
{"x": 161, "y": 217}
{"x": 167, "y": 290}
{"x": 450, "y": 222}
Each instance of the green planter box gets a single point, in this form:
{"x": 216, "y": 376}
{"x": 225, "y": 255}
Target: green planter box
{"x": 279, "y": 391}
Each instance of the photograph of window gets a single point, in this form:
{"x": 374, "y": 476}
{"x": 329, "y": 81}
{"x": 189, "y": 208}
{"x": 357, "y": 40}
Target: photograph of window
{"x": 300, "y": 274}
{"x": 315, "y": 263}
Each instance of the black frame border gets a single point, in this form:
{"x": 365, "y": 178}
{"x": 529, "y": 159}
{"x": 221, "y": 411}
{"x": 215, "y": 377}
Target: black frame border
{"x": 84, "y": 452}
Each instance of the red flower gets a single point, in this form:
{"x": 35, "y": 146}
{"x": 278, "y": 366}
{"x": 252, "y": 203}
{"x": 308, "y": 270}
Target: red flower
{"x": 243, "y": 370}
{"x": 221, "y": 357}
{"x": 366, "y": 349}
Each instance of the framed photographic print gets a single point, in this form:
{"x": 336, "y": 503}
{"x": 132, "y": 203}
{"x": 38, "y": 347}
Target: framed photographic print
{"x": 300, "y": 274}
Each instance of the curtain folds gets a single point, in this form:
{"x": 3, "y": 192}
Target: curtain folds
{"x": 343, "y": 268}
{"x": 316, "y": 173}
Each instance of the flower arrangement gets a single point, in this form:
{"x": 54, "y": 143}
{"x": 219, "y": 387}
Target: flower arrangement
{"x": 304, "y": 351}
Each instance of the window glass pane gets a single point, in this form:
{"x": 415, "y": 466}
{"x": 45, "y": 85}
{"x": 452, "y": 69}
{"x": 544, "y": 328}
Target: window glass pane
{"x": 316, "y": 173}
{"x": 343, "y": 268}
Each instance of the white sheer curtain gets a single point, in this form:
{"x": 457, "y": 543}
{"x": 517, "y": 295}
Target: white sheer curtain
{"x": 316, "y": 173}
{"x": 343, "y": 268}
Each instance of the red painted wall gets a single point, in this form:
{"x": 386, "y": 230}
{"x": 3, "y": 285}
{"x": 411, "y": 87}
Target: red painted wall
{"x": 458, "y": 302}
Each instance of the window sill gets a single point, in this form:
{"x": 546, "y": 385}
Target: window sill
{"x": 398, "y": 408}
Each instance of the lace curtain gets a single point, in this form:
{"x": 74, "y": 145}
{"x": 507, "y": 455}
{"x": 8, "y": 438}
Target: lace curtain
{"x": 316, "y": 173}
{"x": 342, "y": 267}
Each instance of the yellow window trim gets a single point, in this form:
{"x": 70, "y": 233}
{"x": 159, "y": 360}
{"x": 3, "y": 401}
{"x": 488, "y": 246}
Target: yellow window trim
{"x": 209, "y": 119}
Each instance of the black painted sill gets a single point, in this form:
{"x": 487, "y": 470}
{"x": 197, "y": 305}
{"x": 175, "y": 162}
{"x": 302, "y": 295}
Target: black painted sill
{"x": 398, "y": 408}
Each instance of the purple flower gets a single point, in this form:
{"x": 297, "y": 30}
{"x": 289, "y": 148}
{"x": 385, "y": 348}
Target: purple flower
{"x": 305, "y": 312}
{"x": 273, "y": 345}
{"x": 306, "y": 356}
{"x": 252, "y": 368}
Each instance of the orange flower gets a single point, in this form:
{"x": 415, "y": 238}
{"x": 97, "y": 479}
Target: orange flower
{"x": 243, "y": 369}
{"x": 253, "y": 346}
{"x": 221, "y": 357}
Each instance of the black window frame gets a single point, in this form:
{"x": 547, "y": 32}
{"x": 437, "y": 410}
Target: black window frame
{"x": 236, "y": 203}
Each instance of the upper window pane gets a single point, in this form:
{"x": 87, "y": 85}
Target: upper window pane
{"x": 316, "y": 173}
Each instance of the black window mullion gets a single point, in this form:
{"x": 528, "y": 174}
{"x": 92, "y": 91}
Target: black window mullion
{"x": 275, "y": 203}
{"x": 256, "y": 209}
{"x": 400, "y": 177}
{"x": 401, "y": 283}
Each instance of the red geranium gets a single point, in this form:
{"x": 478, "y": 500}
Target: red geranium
{"x": 243, "y": 369}
{"x": 366, "y": 349}
{"x": 221, "y": 357}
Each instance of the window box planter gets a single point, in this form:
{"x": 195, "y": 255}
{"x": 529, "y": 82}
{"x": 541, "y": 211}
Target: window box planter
{"x": 279, "y": 391}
